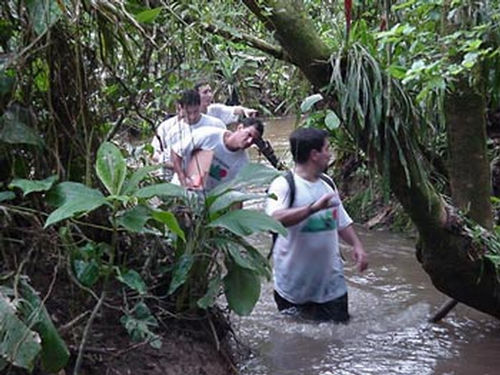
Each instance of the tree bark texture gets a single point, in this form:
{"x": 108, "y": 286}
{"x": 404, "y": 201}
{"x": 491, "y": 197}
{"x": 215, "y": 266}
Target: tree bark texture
{"x": 470, "y": 178}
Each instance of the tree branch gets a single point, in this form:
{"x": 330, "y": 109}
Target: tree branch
{"x": 250, "y": 40}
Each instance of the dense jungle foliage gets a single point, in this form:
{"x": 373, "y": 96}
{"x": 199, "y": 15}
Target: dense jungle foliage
{"x": 87, "y": 223}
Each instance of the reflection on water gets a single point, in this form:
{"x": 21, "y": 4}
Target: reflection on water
{"x": 388, "y": 332}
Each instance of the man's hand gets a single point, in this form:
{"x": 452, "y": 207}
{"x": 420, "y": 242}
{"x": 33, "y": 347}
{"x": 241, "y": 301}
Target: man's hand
{"x": 249, "y": 112}
{"x": 326, "y": 201}
{"x": 360, "y": 258}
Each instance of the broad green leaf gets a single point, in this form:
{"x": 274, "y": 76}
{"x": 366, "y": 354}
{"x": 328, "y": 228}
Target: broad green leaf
{"x": 75, "y": 198}
{"x": 133, "y": 280}
{"x": 332, "y": 122}
{"x": 18, "y": 345}
{"x": 181, "y": 272}
{"x": 148, "y": 16}
{"x": 111, "y": 167}
{"x": 208, "y": 300}
{"x": 252, "y": 174}
{"x": 14, "y": 131}
{"x": 43, "y": 14}
{"x": 231, "y": 197}
{"x": 308, "y": 102}
{"x": 30, "y": 186}
{"x": 132, "y": 183}
{"x": 55, "y": 353}
{"x": 86, "y": 272}
{"x": 242, "y": 289}
{"x": 245, "y": 222}
{"x": 239, "y": 259}
{"x": 170, "y": 221}
{"x": 164, "y": 189}
{"x": 135, "y": 218}
{"x": 6, "y": 196}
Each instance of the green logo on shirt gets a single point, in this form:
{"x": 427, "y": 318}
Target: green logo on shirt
{"x": 321, "y": 222}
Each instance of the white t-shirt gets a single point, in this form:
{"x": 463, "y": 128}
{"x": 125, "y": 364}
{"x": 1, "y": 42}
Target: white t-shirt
{"x": 306, "y": 263}
{"x": 181, "y": 135}
{"x": 163, "y": 148}
{"x": 223, "y": 112}
{"x": 225, "y": 163}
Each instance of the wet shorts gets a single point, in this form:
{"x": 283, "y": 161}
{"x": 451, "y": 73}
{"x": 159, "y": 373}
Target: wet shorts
{"x": 334, "y": 310}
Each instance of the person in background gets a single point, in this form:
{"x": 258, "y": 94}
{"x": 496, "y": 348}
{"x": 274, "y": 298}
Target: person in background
{"x": 161, "y": 143}
{"x": 229, "y": 152}
{"x": 307, "y": 267}
{"x": 227, "y": 114}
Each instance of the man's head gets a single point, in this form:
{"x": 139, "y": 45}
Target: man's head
{"x": 247, "y": 131}
{"x": 190, "y": 105}
{"x": 310, "y": 144}
{"x": 206, "y": 93}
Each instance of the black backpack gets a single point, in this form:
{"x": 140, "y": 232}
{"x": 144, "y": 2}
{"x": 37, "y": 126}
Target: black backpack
{"x": 291, "y": 183}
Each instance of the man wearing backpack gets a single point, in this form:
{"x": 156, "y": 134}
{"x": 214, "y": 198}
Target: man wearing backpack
{"x": 307, "y": 266}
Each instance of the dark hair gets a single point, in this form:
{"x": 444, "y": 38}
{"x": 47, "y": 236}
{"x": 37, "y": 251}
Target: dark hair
{"x": 255, "y": 122}
{"x": 189, "y": 98}
{"x": 304, "y": 140}
{"x": 200, "y": 84}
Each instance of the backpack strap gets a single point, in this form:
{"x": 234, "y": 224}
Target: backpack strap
{"x": 291, "y": 184}
{"x": 328, "y": 180}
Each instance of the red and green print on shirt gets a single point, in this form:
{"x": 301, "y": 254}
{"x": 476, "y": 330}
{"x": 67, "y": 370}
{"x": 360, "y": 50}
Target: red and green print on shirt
{"x": 217, "y": 172}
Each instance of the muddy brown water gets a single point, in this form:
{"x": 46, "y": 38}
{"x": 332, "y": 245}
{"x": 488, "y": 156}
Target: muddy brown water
{"x": 388, "y": 332}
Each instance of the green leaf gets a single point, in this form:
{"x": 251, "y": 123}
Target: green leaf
{"x": 135, "y": 218}
{"x": 181, "y": 272}
{"x": 242, "y": 289}
{"x": 6, "y": 82}
{"x": 165, "y": 189}
{"x": 397, "y": 71}
{"x": 231, "y": 197}
{"x": 148, "y": 16}
{"x": 43, "y": 14}
{"x": 13, "y": 130}
{"x": 75, "y": 198}
{"x": 208, "y": 300}
{"x": 30, "y": 186}
{"x": 6, "y": 196}
{"x": 239, "y": 259}
{"x": 246, "y": 222}
{"x": 133, "y": 280}
{"x": 332, "y": 122}
{"x": 55, "y": 353}
{"x": 86, "y": 272}
{"x": 138, "y": 175}
{"x": 18, "y": 345}
{"x": 170, "y": 221}
{"x": 111, "y": 167}
{"x": 308, "y": 102}
{"x": 252, "y": 174}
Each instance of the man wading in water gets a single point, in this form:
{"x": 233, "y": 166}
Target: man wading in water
{"x": 307, "y": 267}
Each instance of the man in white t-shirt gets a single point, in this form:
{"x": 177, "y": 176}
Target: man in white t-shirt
{"x": 193, "y": 119}
{"x": 227, "y": 114}
{"x": 229, "y": 151}
{"x": 307, "y": 266}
